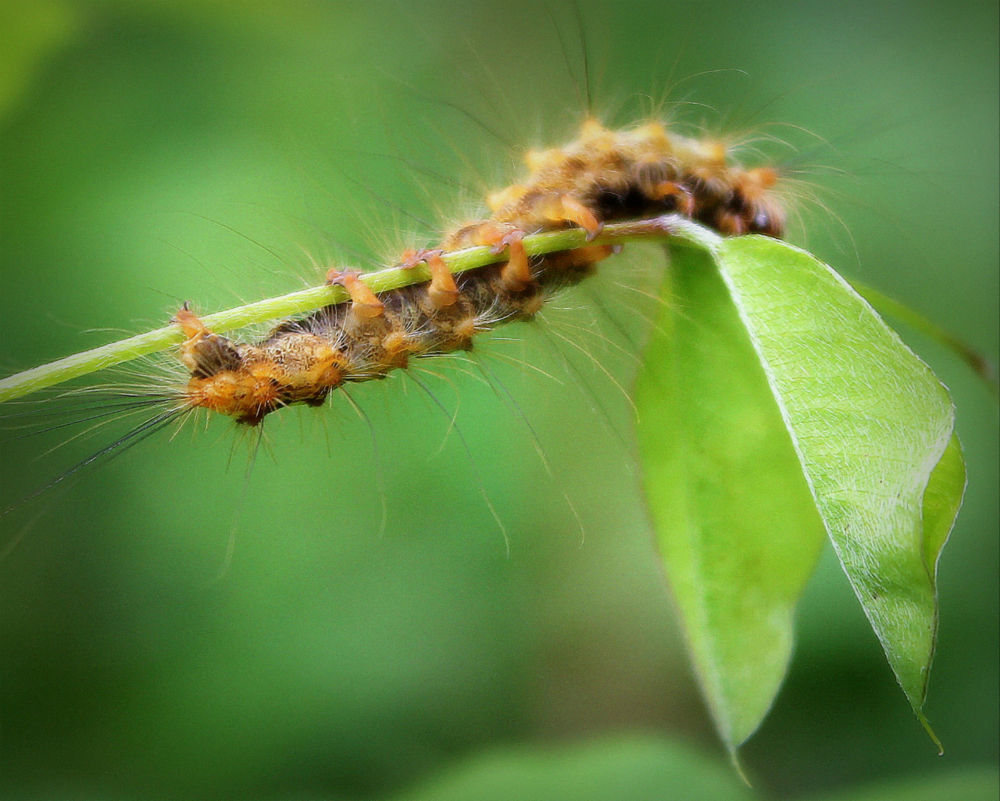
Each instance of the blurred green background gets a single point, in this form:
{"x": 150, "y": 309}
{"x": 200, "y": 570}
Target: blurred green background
{"x": 157, "y": 151}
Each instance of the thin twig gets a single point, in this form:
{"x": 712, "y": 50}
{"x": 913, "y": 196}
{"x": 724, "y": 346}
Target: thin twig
{"x": 677, "y": 229}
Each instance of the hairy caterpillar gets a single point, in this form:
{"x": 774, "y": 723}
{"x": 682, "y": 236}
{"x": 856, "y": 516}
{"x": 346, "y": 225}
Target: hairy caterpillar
{"x": 605, "y": 176}
{"x": 311, "y": 516}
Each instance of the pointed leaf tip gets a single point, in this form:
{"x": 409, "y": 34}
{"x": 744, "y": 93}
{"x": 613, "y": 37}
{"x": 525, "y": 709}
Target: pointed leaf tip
{"x": 737, "y": 527}
{"x": 872, "y": 428}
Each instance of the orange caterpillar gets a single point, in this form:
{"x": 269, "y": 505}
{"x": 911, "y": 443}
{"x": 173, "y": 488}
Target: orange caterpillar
{"x": 604, "y": 176}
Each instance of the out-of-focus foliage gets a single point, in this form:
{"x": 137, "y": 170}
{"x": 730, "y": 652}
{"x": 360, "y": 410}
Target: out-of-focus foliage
{"x": 158, "y": 152}
{"x": 642, "y": 769}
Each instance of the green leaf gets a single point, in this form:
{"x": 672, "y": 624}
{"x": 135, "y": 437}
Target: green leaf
{"x": 633, "y": 768}
{"x": 942, "y": 500}
{"x": 774, "y": 403}
{"x": 737, "y": 526}
{"x": 969, "y": 784}
{"x": 871, "y": 424}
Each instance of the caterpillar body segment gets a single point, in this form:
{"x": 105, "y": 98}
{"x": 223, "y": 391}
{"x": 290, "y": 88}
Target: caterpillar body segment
{"x": 248, "y": 382}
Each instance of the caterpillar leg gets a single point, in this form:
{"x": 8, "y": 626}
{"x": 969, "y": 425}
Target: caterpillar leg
{"x": 364, "y": 303}
{"x": 203, "y": 353}
{"x": 516, "y": 273}
{"x": 190, "y": 323}
{"x": 563, "y": 208}
{"x": 443, "y": 291}
{"x": 195, "y": 332}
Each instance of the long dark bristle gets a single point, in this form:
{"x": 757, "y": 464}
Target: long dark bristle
{"x": 121, "y": 445}
{"x": 78, "y": 416}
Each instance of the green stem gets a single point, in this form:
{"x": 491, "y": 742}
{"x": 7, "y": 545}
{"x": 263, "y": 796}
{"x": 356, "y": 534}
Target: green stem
{"x": 673, "y": 227}
{"x": 890, "y": 307}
